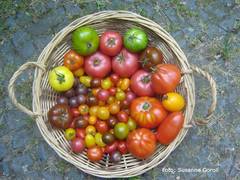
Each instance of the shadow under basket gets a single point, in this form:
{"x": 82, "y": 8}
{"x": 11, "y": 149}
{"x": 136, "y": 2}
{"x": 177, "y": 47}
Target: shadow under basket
{"x": 44, "y": 97}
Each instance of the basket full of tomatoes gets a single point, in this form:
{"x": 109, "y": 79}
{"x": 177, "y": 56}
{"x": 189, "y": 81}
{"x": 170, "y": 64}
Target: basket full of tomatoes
{"x": 113, "y": 94}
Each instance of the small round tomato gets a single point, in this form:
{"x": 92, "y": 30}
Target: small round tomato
{"x": 89, "y": 141}
{"x": 130, "y": 96}
{"x": 61, "y": 79}
{"x": 114, "y": 78}
{"x": 80, "y": 122}
{"x": 122, "y": 116}
{"x": 125, "y": 104}
{"x": 112, "y": 91}
{"x": 62, "y": 100}
{"x": 114, "y": 108}
{"x": 75, "y": 112}
{"x": 77, "y": 145}
{"x": 103, "y": 113}
{"x": 131, "y": 124}
{"x": 108, "y": 138}
{"x": 92, "y": 120}
{"x": 141, "y": 83}
{"x": 112, "y": 121}
{"x": 81, "y": 99}
{"x": 99, "y": 141}
{"x": 90, "y": 130}
{"x": 101, "y": 103}
{"x": 125, "y": 84}
{"x": 80, "y": 133}
{"x": 97, "y": 65}
{"x": 106, "y": 83}
{"x": 115, "y": 157}
{"x": 83, "y": 109}
{"x": 111, "y": 100}
{"x": 101, "y": 126}
{"x": 73, "y": 60}
{"x": 95, "y": 91}
{"x": 96, "y": 82}
{"x": 95, "y": 154}
{"x": 92, "y": 100}
{"x": 112, "y": 147}
{"x": 111, "y": 43}
{"x": 121, "y": 130}
{"x": 70, "y": 133}
{"x": 120, "y": 96}
{"x": 86, "y": 80}
{"x": 79, "y": 72}
{"x": 173, "y": 102}
{"x": 103, "y": 95}
{"x": 122, "y": 147}
{"x": 81, "y": 89}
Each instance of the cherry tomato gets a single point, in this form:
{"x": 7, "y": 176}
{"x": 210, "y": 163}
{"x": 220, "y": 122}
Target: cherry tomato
{"x": 90, "y": 130}
{"x": 80, "y": 122}
{"x": 121, "y": 130}
{"x": 92, "y": 120}
{"x": 115, "y": 157}
{"x": 62, "y": 100}
{"x": 112, "y": 147}
{"x": 79, "y": 72}
{"x": 130, "y": 96}
{"x": 170, "y": 127}
{"x": 101, "y": 126}
{"x": 103, "y": 113}
{"x": 83, "y": 109}
{"x": 93, "y": 110}
{"x": 103, "y": 95}
{"x": 97, "y": 65}
{"x": 114, "y": 78}
{"x": 95, "y": 91}
{"x": 73, "y": 102}
{"x": 111, "y": 100}
{"x": 99, "y": 141}
{"x": 96, "y": 82}
{"x": 86, "y": 80}
{"x": 173, "y": 102}
{"x": 77, "y": 145}
{"x": 101, "y": 103}
{"x": 125, "y": 104}
{"x": 75, "y": 112}
{"x": 114, "y": 108}
{"x": 89, "y": 141}
{"x": 122, "y": 116}
{"x": 125, "y": 63}
{"x": 131, "y": 124}
{"x": 70, "y": 133}
{"x": 122, "y": 147}
{"x": 80, "y": 133}
{"x": 106, "y": 83}
{"x": 111, "y": 43}
{"x": 112, "y": 121}
{"x": 125, "y": 84}
{"x": 120, "y": 96}
{"x": 81, "y": 99}
{"x": 108, "y": 138}
{"x": 141, "y": 83}
{"x": 165, "y": 78}
{"x": 81, "y": 89}
{"x": 92, "y": 100}
{"x": 73, "y": 60}
{"x": 95, "y": 154}
{"x": 112, "y": 91}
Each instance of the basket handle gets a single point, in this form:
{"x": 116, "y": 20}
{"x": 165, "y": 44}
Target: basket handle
{"x": 11, "y": 86}
{"x": 212, "y": 107}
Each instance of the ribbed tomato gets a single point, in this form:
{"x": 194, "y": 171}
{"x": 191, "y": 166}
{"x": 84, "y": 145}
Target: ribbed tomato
{"x": 147, "y": 112}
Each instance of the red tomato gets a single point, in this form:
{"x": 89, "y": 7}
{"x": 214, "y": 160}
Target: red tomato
{"x": 122, "y": 147}
{"x": 103, "y": 95}
{"x": 166, "y": 78}
{"x": 73, "y": 60}
{"x": 95, "y": 154}
{"x": 114, "y": 78}
{"x": 81, "y": 133}
{"x": 75, "y": 112}
{"x": 111, "y": 43}
{"x": 125, "y": 63}
{"x": 141, "y": 143}
{"x": 101, "y": 126}
{"x": 147, "y": 112}
{"x": 112, "y": 91}
{"x": 77, "y": 145}
{"x": 170, "y": 127}
{"x": 130, "y": 96}
{"x": 122, "y": 116}
{"x": 141, "y": 83}
{"x": 97, "y": 65}
{"x": 111, "y": 148}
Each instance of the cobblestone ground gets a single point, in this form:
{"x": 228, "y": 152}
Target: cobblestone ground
{"x": 207, "y": 31}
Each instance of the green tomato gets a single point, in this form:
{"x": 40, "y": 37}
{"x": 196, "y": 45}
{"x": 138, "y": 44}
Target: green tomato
{"x": 121, "y": 130}
{"x": 90, "y": 141}
{"x": 85, "y": 40}
{"x": 135, "y": 40}
{"x": 70, "y": 133}
{"x": 99, "y": 141}
{"x": 61, "y": 79}
{"x": 131, "y": 124}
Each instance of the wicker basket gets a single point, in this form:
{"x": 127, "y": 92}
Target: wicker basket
{"x": 44, "y": 98}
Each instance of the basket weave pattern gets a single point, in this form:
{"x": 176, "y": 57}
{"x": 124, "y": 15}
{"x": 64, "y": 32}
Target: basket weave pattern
{"x": 44, "y": 97}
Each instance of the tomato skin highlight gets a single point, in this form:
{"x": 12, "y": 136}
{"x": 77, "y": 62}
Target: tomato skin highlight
{"x": 170, "y": 127}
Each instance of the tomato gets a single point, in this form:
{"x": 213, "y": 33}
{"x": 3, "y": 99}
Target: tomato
{"x": 165, "y": 78}
{"x": 106, "y": 83}
{"x": 73, "y": 60}
{"x": 147, "y": 112}
{"x": 122, "y": 147}
{"x": 75, "y": 112}
{"x": 97, "y": 65}
{"x": 61, "y": 79}
{"x": 121, "y": 130}
{"x": 108, "y": 138}
{"x": 112, "y": 91}
{"x": 86, "y": 80}
{"x": 92, "y": 120}
{"x": 111, "y": 100}
{"x": 141, "y": 83}
{"x": 103, "y": 95}
{"x": 83, "y": 109}
{"x": 90, "y": 130}
{"x": 120, "y": 95}
{"x": 60, "y": 116}
{"x": 79, "y": 72}
{"x": 131, "y": 124}
{"x": 135, "y": 40}
{"x": 81, "y": 89}
{"x": 95, "y": 154}
{"x": 170, "y": 127}
{"x": 122, "y": 116}
{"x": 77, "y": 145}
{"x": 112, "y": 121}
{"x": 151, "y": 57}
{"x": 85, "y": 40}
{"x": 125, "y": 63}
{"x": 103, "y": 113}
{"x": 112, "y": 147}
{"x": 92, "y": 100}
{"x": 114, "y": 108}
{"x": 99, "y": 141}
{"x": 70, "y": 133}
{"x": 115, "y": 157}
{"x": 114, "y": 78}
{"x": 89, "y": 140}
{"x": 125, "y": 84}
{"x": 80, "y": 122}
{"x": 110, "y": 43}
{"x": 96, "y": 82}
{"x": 173, "y": 101}
{"x": 101, "y": 126}
{"x": 95, "y": 91}
{"x": 93, "y": 110}
{"x": 130, "y": 96}
{"x": 62, "y": 100}
{"x": 80, "y": 133}
{"x": 141, "y": 143}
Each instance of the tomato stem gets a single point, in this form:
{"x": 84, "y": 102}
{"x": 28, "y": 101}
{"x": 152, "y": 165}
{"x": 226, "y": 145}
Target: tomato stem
{"x": 120, "y": 57}
{"x": 146, "y": 106}
{"x": 146, "y": 79}
{"x": 111, "y": 42}
{"x": 60, "y": 77}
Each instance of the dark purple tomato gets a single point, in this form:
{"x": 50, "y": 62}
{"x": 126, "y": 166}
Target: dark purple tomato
{"x": 112, "y": 121}
{"x": 92, "y": 100}
{"x": 76, "y": 82}
{"x": 108, "y": 138}
{"x": 62, "y": 100}
{"x": 81, "y": 99}
{"x": 116, "y": 156}
{"x": 73, "y": 102}
{"x": 95, "y": 82}
{"x": 81, "y": 89}
{"x": 80, "y": 122}
{"x": 69, "y": 93}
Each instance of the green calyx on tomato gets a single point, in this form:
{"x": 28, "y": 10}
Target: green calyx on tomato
{"x": 85, "y": 40}
{"x": 60, "y": 77}
{"x": 146, "y": 79}
{"x": 135, "y": 40}
{"x": 146, "y": 106}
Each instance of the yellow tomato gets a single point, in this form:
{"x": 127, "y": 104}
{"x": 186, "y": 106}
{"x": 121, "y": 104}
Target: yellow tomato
{"x": 99, "y": 141}
{"x": 86, "y": 80}
{"x": 83, "y": 109}
{"x": 92, "y": 120}
{"x": 173, "y": 102}
{"x": 89, "y": 140}
{"x": 106, "y": 83}
{"x": 103, "y": 113}
{"x": 125, "y": 84}
{"x": 93, "y": 110}
{"x": 90, "y": 130}
{"x": 111, "y": 100}
{"x": 79, "y": 72}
